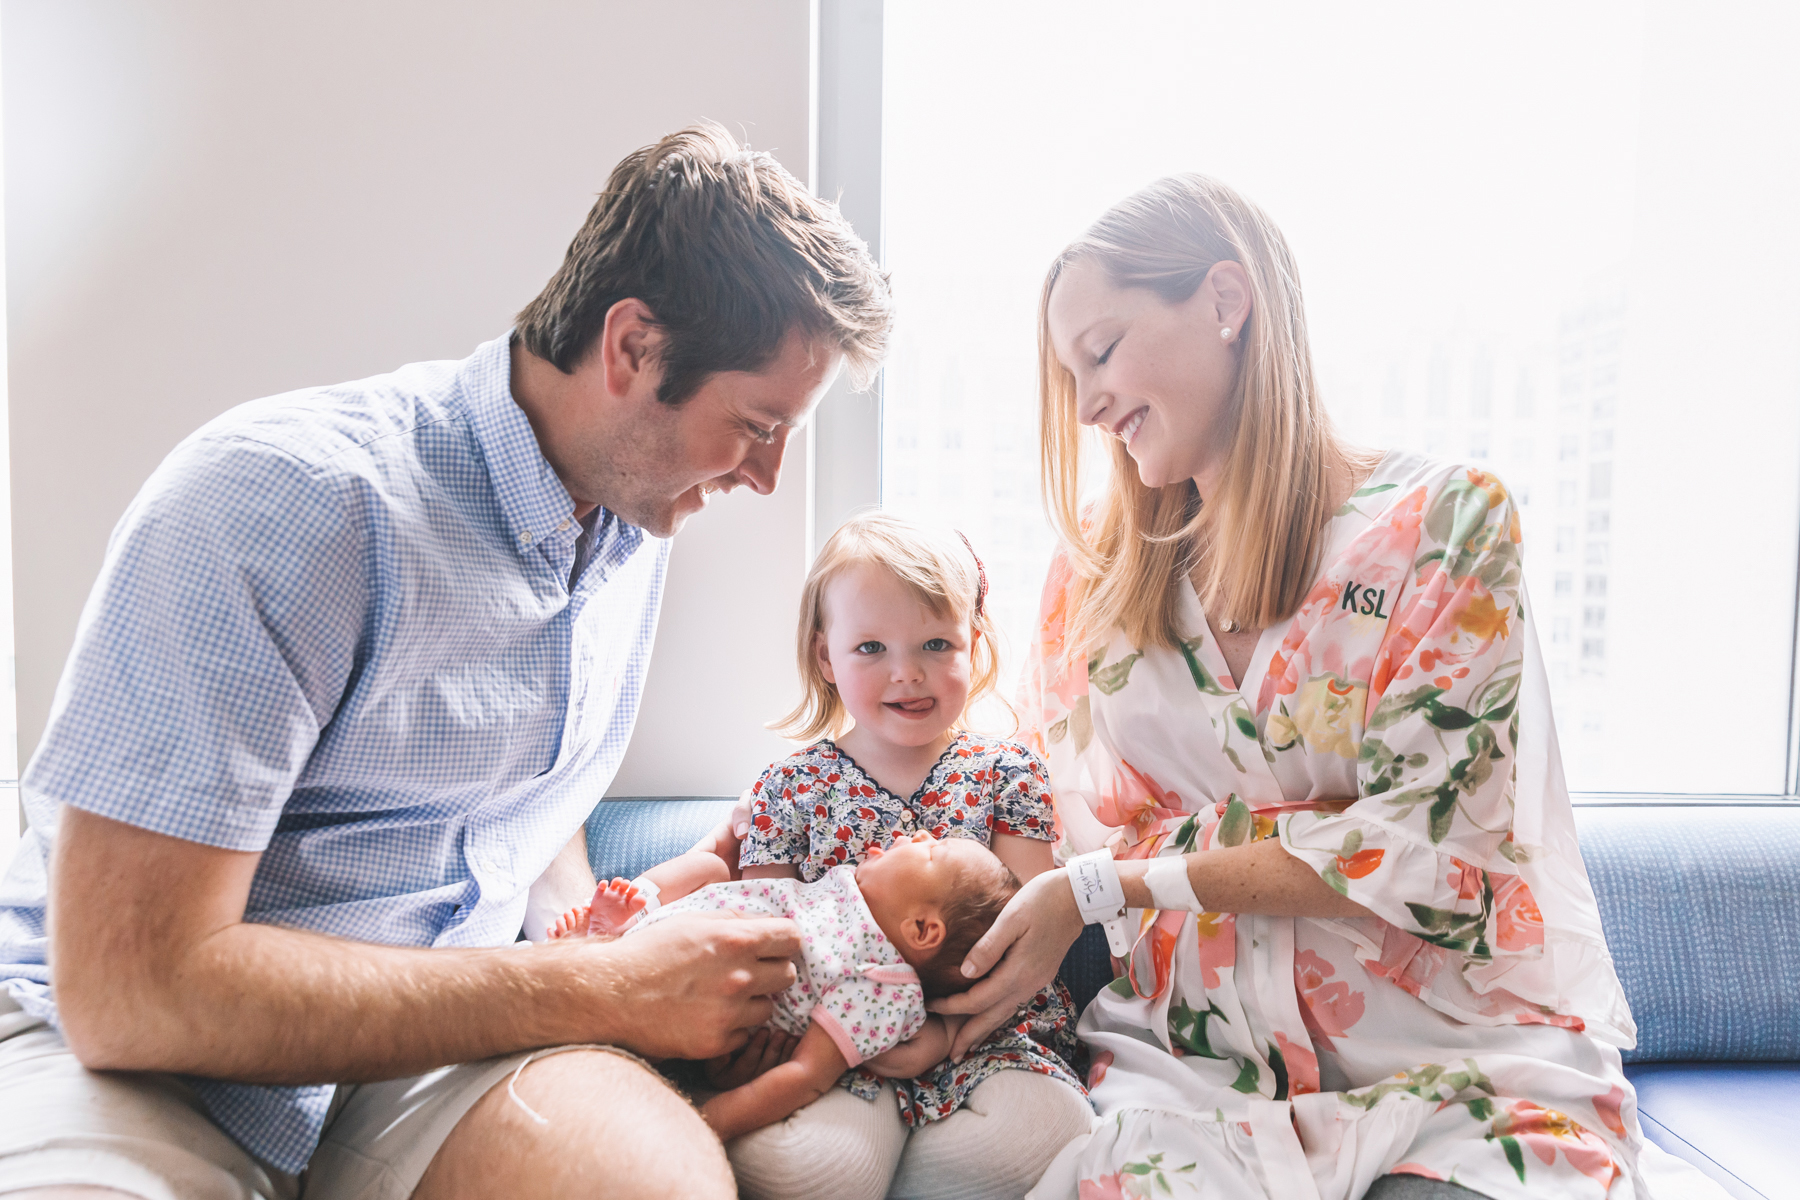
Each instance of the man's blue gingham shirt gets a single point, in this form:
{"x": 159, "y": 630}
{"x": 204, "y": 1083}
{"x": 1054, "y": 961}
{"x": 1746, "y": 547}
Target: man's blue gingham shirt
{"x": 336, "y": 627}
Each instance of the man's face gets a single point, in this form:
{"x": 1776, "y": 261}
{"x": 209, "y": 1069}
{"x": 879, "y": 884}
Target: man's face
{"x": 661, "y": 463}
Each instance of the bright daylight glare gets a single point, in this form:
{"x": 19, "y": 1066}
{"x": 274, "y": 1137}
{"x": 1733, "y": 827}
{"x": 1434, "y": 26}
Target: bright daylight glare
{"x": 1551, "y": 240}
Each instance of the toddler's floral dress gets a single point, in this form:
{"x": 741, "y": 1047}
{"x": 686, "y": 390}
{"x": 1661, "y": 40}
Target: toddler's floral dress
{"x": 1395, "y": 736}
{"x": 818, "y": 810}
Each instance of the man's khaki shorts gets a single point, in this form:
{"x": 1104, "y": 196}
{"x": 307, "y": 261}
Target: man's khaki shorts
{"x": 147, "y": 1135}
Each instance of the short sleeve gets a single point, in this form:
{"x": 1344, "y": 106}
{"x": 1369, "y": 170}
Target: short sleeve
{"x": 1428, "y": 845}
{"x": 1022, "y": 801}
{"x": 214, "y": 648}
{"x": 778, "y": 833}
{"x": 873, "y": 1013}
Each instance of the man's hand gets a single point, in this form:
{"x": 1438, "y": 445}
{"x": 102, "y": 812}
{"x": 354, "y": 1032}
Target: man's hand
{"x": 1028, "y": 941}
{"x": 694, "y": 987}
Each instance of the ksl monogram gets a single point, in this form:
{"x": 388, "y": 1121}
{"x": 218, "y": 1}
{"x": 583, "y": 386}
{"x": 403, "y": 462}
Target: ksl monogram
{"x": 1369, "y": 602}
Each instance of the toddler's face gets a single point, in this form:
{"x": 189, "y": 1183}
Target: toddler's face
{"x": 915, "y": 870}
{"x": 902, "y": 670}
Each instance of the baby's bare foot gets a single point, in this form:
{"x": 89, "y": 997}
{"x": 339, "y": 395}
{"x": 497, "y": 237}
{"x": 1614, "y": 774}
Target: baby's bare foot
{"x": 615, "y": 906}
{"x": 571, "y": 924}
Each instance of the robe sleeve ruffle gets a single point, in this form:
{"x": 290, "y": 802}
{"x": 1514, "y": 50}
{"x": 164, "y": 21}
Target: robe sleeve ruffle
{"x": 1428, "y": 845}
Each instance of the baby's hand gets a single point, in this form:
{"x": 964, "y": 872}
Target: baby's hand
{"x": 571, "y": 924}
{"x": 766, "y": 1048}
{"x": 614, "y": 907}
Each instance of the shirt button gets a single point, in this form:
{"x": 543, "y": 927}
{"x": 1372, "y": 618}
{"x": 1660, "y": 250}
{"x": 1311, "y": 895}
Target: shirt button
{"x": 565, "y": 524}
{"x": 526, "y": 537}
{"x": 906, "y": 814}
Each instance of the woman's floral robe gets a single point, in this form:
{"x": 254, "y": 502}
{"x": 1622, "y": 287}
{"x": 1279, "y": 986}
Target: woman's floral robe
{"x": 1396, "y": 736}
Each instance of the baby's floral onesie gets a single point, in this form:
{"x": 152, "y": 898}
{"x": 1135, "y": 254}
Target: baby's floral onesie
{"x": 818, "y": 810}
{"x": 852, "y": 981}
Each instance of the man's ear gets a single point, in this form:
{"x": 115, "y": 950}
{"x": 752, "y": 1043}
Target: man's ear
{"x": 1226, "y": 294}
{"x": 925, "y": 931}
{"x": 627, "y": 350}
{"x": 822, "y": 652}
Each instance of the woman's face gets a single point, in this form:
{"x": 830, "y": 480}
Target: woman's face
{"x": 1157, "y": 376}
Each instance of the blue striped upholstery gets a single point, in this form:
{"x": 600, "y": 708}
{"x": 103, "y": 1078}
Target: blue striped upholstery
{"x": 1701, "y": 905}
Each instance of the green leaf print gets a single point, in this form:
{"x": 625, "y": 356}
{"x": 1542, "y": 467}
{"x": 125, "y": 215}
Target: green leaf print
{"x": 1372, "y": 490}
{"x": 1514, "y": 1156}
{"x": 1188, "y": 835}
{"x": 1352, "y": 843}
{"x": 1447, "y": 717}
{"x": 1121, "y": 987}
{"x": 1394, "y": 709}
{"x": 1245, "y": 725}
{"x": 1462, "y": 932}
{"x": 1433, "y": 1081}
{"x": 1335, "y": 878}
{"x": 1111, "y": 679}
{"x": 1247, "y": 1078}
{"x": 1232, "y": 756}
{"x": 1461, "y": 508}
{"x": 1234, "y": 826}
{"x": 1081, "y": 724}
{"x": 1187, "y": 1028}
{"x": 1202, "y": 678}
{"x": 1058, "y": 731}
{"x": 1279, "y": 1066}
{"x": 1441, "y": 813}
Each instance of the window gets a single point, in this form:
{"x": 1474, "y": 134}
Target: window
{"x": 1631, "y": 136}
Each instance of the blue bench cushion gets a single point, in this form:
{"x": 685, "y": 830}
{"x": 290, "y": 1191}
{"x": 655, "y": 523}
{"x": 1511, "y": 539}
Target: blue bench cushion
{"x": 1738, "y": 1122}
{"x": 1701, "y": 905}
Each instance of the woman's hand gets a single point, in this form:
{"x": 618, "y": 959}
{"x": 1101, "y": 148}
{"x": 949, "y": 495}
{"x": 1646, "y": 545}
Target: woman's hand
{"x": 1028, "y": 941}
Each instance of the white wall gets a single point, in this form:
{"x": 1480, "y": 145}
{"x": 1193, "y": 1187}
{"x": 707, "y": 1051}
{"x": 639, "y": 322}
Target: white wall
{"x": 209, "y": 201}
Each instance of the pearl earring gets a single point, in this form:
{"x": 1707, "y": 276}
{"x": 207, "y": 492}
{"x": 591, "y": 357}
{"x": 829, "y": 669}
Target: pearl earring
{"x": 1225, "y": 334}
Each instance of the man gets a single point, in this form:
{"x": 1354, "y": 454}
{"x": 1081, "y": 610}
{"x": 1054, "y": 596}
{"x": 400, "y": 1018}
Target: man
{"x": 358, "y": 663}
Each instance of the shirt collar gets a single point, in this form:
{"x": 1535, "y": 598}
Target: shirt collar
{"x": 535, "y": 505}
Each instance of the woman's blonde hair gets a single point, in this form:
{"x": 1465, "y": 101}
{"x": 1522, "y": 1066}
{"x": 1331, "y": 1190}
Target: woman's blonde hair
{"x": 1257, "y": 539}
{"x": 939, "y": 569}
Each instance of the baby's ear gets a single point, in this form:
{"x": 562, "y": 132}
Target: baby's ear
{"x": 926, "y": 932}
{"x": 822, "y": 653}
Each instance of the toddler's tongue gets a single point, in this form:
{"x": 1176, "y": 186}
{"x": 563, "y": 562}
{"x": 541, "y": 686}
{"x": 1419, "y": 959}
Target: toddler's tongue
{"x": 923, "y": 704}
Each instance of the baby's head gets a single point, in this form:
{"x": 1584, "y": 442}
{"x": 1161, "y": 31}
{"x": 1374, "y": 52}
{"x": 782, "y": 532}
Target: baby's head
{"x": 934, "y": 899}
{"x": 894, "y": 634}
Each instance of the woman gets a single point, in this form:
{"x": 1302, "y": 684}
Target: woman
{"x": 1303, "y": 680}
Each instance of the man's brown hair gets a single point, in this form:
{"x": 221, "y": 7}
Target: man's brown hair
{"x": 728, "y": 251}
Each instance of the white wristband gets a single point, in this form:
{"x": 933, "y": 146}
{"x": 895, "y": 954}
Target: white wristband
{"x": 648, "y": 892}
{"x": 1170, "y": 888}
{"x": 1094, "y": 878}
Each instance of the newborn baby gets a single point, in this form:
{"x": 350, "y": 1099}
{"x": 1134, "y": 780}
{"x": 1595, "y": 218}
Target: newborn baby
{"x": 879, "y": 939}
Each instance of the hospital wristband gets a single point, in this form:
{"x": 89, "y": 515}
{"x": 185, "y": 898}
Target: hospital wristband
{"x": 1170, "y": 888}
{"x": 1094, "y": 879}
{"x": 648, "y": 892}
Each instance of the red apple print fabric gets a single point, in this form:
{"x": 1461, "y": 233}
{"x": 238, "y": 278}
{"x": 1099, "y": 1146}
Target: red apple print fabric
{"x": 1394, "y": 735}
{"x": 818, "y": 810}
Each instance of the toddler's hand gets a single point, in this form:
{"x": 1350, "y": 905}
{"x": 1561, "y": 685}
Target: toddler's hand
{"x": 571, "y": 924}
{"x": 766, "y": 1048}
{"x": 614, "y": 907}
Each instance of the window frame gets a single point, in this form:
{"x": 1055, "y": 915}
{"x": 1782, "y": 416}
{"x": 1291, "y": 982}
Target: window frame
{"x": 844, "y": 441}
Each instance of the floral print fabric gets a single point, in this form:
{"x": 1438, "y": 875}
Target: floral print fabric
{"x": 818, "y": 810}
{"x": 851, "y": 979}
{"x": 1394, "y": 735}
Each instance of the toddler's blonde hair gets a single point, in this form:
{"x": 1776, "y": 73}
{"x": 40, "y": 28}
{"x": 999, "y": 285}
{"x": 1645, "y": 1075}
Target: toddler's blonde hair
{"x": 939, "y": 569}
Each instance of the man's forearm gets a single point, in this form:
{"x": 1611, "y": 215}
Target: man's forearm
{"x": 261, "y": 1004}
{"x": 154, "y": 969}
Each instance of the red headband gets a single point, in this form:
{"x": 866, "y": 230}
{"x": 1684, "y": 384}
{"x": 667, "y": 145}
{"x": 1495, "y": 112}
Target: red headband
{"x": 980, "y": 573}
